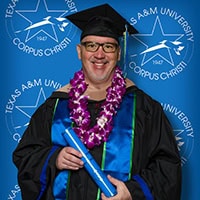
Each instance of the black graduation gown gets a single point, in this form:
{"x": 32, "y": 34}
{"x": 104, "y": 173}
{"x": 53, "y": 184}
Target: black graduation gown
{"x": 156, "y": 158}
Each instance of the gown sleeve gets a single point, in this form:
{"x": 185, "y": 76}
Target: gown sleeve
{"x": 156, "y": 160}
{"x": 35, "y": 156}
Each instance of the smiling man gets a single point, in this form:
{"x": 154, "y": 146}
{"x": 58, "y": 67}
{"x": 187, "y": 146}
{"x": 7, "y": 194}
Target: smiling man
{"x": 123, "y": 128}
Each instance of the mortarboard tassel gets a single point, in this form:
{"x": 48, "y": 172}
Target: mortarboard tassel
{"x": 125, "y": 59}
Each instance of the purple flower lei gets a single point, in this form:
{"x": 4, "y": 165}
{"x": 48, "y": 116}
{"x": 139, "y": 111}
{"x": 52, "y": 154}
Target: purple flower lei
{"x": 81, "y": 116}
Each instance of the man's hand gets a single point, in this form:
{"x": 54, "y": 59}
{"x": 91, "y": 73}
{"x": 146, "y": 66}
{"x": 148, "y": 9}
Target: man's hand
{"x": 69, "y": 158}
{"x": 122, "y": 191}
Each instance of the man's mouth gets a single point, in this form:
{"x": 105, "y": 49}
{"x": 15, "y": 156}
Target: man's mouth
{"x": 99, "y": 64}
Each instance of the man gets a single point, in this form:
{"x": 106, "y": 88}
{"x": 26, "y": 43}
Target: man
{"x": 124, "y": 129}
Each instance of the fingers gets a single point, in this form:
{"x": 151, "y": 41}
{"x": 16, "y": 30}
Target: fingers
{"x": 72, "y": 151}
{"x": 122, "y": 190}
{"x": 113, "y": 180}
{"x": 69, "y": 158}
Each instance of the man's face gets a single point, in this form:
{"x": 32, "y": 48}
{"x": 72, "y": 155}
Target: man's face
{"x": 97, "y": 64}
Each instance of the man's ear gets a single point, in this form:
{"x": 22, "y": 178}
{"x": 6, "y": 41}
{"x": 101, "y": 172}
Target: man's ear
{"x": 78, "y": 49}
{"x": 119, "y": 54}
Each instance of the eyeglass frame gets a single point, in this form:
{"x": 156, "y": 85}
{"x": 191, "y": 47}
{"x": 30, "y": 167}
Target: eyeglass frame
{"x": 100, "y": 44}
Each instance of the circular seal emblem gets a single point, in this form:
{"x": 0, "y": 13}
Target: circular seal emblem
{"x": 24, "y": 101}
{"x": 39, "y": 27}
{"x": 164, "y": 46}
{"x": 183, "y": 130}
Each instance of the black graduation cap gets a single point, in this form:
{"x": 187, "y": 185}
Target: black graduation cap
{"x": 101, "y": 20}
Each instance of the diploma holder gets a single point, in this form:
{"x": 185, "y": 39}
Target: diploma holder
{"x": 90, "y": 164}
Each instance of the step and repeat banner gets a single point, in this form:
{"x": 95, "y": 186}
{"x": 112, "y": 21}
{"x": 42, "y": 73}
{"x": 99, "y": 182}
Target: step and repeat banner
{"x": 38, "y": 56}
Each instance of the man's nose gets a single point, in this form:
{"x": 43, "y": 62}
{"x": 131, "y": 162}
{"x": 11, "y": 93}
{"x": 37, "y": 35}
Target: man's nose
{"x": 100, "y": 53}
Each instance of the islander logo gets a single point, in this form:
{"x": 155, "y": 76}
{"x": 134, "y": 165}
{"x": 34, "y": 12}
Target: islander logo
{"x": 183, "y": 131}
{"x": 39, "y": 27}
{"x": 164, "y": 47}
{"x": 24, "y": 101}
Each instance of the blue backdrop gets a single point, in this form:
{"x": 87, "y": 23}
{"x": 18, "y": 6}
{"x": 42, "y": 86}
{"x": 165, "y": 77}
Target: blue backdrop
{"x": 38, "y": 55}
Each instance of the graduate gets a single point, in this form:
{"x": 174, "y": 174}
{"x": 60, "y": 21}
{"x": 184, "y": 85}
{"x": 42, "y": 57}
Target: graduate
{"x": 124, "y": 129}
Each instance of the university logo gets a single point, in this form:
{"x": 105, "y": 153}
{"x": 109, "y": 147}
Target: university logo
{"x": 24, "y": 101}
{"x": 183, "y": 130}
{"x": 14, "y": 193}
{"x": 39, "y": 27}
{"x": 164, "y": 46}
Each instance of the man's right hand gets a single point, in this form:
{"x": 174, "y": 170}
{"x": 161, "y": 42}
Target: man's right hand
{"x": 69, "y": 158}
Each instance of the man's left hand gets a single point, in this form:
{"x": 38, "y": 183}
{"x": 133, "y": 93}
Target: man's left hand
{"x": 122, "y": 191}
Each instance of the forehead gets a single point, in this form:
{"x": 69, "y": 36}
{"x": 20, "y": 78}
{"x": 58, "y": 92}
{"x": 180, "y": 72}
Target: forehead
{"x": 100, "y": 39}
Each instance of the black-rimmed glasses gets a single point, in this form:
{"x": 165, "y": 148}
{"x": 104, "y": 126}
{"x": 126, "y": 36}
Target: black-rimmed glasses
{"x": 108, "y": 47}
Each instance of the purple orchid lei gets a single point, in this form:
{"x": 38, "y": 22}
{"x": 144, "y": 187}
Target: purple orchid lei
{"x": 81, "y": 116}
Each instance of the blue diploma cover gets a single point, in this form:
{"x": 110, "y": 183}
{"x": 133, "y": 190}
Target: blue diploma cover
{"x": 90, "y": 164}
